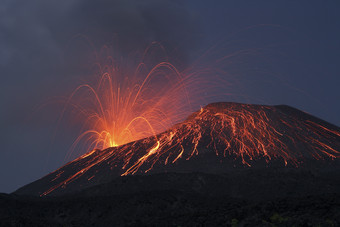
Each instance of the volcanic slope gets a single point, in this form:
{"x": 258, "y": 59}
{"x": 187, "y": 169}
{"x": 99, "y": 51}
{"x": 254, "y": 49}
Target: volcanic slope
{"x": 219, "y": 138}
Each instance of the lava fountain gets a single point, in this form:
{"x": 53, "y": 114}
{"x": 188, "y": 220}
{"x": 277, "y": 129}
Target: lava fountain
{"x": 129, "y": 103}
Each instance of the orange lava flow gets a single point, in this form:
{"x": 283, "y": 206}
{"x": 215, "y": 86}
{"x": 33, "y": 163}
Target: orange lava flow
{"x": 245, "y": 132}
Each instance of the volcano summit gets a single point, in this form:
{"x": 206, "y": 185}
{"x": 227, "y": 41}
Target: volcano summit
{"x": 219, "y": 138}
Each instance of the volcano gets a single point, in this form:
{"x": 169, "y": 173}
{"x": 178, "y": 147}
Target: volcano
{"x": 220, "y": 138}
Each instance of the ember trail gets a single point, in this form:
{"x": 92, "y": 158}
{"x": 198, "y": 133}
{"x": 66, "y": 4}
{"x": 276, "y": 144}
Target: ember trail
{"x": 132, "y": 101}
{"x": 129, "y": 103}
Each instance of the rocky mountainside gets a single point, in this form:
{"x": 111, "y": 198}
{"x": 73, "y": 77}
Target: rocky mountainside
{"x": 224, "y": 139}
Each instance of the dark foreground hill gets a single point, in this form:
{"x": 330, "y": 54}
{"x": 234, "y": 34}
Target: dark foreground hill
{"x": 169, "y": 208}
{"x": 220, "y": 138}
{"x": 257, "y": 198}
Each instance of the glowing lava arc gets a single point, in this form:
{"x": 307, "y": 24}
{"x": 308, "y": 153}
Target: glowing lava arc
{"x": 234, "y": 134}
{"x": 127, "y": 106}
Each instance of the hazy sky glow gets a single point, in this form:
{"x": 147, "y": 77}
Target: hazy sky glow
{"x": 44, "y": 54}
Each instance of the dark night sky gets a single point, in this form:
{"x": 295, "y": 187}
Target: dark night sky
{"x": 42, "y": 56}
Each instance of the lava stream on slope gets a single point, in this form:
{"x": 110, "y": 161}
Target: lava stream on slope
{"x": 236, "y": 134}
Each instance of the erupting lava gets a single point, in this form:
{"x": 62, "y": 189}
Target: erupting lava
{"x": 130, "y": 111}
{"x": 128, "y": 105}
{"x": 135, "y": 101}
